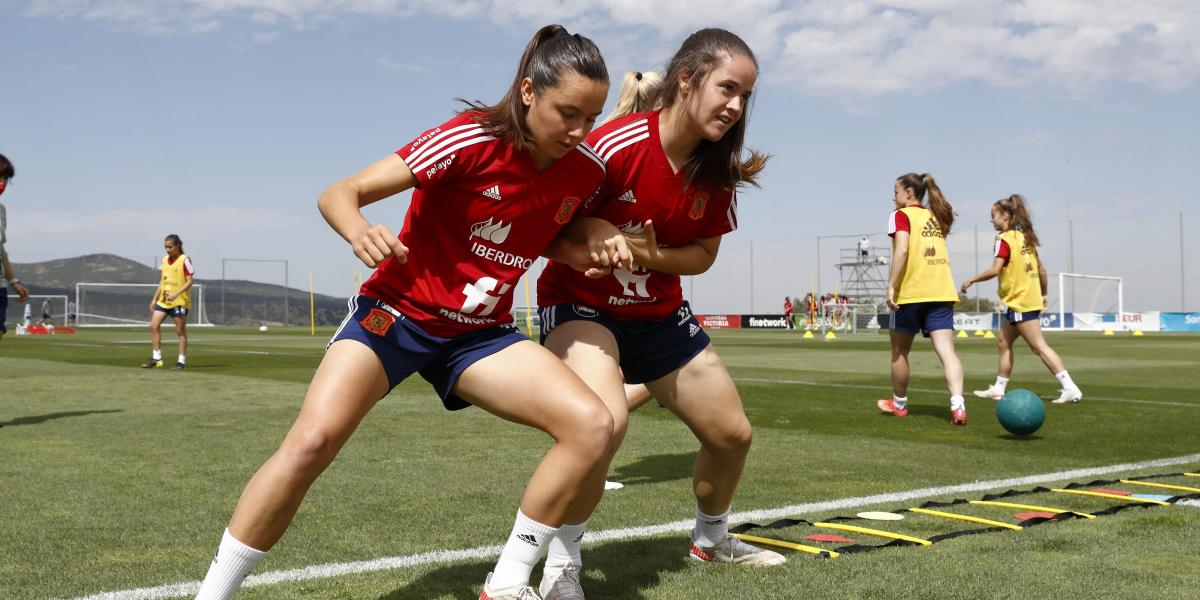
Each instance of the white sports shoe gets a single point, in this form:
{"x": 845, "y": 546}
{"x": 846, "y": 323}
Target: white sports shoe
{"x": 734, "y": 551}
{"x": 523, "y": 592}
{"x": 1068, "y": 396}
{"x": 992, "y": 392}
{"x": 564, "y": 586}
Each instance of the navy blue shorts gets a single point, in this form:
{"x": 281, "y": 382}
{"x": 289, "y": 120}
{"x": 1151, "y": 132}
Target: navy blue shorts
{"x": 176, "y": 312}
{"x": 1015, "y": 317}
{"x": 3, "y": 309}
{"x": 925, "y": 317}
{"x": 649, "y": 350}
{"x": 404, "y": 348}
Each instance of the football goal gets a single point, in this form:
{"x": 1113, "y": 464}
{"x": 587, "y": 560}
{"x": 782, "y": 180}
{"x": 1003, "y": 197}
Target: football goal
{"x": 1085, "y": 302}
{"x": 39, "y": 304}
{"x": 127, "y": 304}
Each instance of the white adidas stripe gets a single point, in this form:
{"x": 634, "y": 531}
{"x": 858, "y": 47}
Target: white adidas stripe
{"x": 588, "y": 152}
{"x": 731, "y": 214}
{"x": 610, "y": 140}
{"x": 352, "y": 306}
{"x": 443, "y": 138}
{"x": 612, "y": 151}
{"x": 449, "y": 150}
{"x": 619, "y": 131}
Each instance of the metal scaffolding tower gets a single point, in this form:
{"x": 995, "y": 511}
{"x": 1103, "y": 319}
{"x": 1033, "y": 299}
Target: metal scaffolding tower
{"x": 864, "y": 277}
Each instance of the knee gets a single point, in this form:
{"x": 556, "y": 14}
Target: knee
{"x": 732, "y": 439}
{"x": 309, "y": 450}
{"x": 593, "y": 429}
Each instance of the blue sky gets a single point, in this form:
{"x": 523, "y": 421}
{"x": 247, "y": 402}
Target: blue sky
{"x": 222, "y": 120}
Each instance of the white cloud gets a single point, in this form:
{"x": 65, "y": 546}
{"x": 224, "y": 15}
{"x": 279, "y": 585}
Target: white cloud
{"x": 842, "y": 49}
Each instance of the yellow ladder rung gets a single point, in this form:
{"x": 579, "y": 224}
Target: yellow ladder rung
{"x": 1162, "y": 485}
{"x": 1032, "y": 507}
{"x": 946, "y": 515}
{"x": 1112, "y": 496}
{"x": 782, "y": 544}
{"x": 874, "y": 532}
{"x": 1192, "y": 474}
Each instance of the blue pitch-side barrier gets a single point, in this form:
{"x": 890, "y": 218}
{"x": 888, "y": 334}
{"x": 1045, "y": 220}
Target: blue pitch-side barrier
{"x": 1179, "y": 321}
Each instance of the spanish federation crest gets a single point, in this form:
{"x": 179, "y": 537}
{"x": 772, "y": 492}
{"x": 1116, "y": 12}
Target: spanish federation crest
{"x": 696, "y": 212}
{"x": 378, "y": 322}
{"x": 566, "y": 210}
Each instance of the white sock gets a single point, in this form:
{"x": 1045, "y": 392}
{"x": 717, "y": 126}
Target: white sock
{"x": 563, "y": 549}
{"x": 900, "y": 401}
{"x": 156, "y": 354}
{"x": 233, "y": 561}
{"x": 1001, "y": 383}
{"x": 710, "y": 530}
{"x": 522, "y": 551}
{"x": 182, "y": 359}
{"x": 957, "y": 403}
{"x": 1065, "y": 379}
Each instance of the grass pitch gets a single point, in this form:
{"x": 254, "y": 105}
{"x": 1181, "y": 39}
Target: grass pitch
{"x": 116, "y": 478}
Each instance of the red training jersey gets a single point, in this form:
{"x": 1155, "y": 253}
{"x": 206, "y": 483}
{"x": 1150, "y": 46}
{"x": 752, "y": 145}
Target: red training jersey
{"x": 640, "y": 185}
{"x": 481, "y": 215}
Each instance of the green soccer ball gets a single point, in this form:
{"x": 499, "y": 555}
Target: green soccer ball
{"x": 1021, "y": 412}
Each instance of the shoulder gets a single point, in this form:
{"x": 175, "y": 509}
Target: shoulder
{"x": 461, "y": 134}
{"x": 617, "y": 135}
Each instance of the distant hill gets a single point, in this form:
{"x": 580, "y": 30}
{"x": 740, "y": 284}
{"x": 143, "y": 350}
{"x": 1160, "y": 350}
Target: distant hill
{"x": 245, "y": 302}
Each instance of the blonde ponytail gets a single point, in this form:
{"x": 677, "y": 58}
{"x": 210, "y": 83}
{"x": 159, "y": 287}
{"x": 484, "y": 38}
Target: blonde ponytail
{"x": 638, "y": 91}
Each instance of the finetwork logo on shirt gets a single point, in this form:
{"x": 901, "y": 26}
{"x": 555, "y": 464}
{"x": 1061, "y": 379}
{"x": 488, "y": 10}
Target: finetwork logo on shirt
{"x": 490, "y": 231}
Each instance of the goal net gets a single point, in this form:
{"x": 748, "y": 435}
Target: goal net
{"x": 1085, "y": 302}
{"x": 39, "y": 305}
{"x": 127, "y": 304}
{"x": 841, "y": 318}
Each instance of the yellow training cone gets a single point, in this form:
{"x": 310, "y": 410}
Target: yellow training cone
{"x": 1138, "y": 332}
{"x": 989, "y": 336}
{"x": 829, "y": 335}
{"x": 962, "y": 333}
{"x": 978, "y": 332}
{"x": 808, "y": 335}
{"x": 1108, "y": 332}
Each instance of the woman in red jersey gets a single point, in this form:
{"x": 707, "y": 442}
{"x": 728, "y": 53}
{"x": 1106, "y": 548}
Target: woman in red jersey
{"x": 493, "y": 186}
{"x": 670, "y": 180}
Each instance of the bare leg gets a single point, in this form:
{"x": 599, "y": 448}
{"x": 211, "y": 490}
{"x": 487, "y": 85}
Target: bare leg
{"x": 349, "y": 381}
{"x": 1032, "y": 332}
{"x": 943, "y": 345}
{"x": 1004, "y": 341}
{"x": 637, "y": 395}
{"x": 156, "y": 320}
{"x": 181, "y": 331}
{"x": 901, "y": 344}
{"x": 703, "y": 396}
{"x": 591, "y": 352}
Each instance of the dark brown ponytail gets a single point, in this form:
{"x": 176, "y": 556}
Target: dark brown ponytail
{"x": 922, "y": 184}
{"x": 552, "y": 52}
{"x": 1018, "y": 214}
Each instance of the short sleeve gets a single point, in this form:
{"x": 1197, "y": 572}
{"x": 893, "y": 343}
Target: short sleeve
{"x": 188, "y": 269}
{"x": 897, "y": 221}
{"x": 445, "y": 151}
{"x": 1002, "y": 250}
{"x": 724, "y": 219}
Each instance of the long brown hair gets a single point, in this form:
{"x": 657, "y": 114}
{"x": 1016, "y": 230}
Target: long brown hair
{"x": 922, "y": 184}
{"x": 719, "y": 164}
{"x": 638, "y": 92}
{"x": 175, "y": 240}
{"x": 552, "y": 52}
{"x": 1018, "y": 214}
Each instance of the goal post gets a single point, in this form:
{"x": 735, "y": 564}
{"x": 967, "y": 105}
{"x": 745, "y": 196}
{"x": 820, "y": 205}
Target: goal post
{"x": 128, "y": 304}
{"x": 1093, "y": 302}
{"x": 58, "y": 309}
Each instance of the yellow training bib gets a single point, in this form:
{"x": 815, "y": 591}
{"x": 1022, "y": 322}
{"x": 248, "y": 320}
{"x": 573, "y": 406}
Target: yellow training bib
{"x": 1020, "y": 283}
{"x": 174, "y": 276}
{"x": 927, "y": 276}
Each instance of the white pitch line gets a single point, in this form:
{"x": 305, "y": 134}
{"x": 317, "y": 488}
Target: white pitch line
{"x": 176, "y": 590}
{"x": 1191, "y": 503}
{"x": 942, "y": 391}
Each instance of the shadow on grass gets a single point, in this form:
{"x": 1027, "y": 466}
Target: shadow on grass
{"x": 39, "y": 419}
{"x": 614, "y": 570}
{"x": 656, "y": 468}
{"x": 1020, "y": 438}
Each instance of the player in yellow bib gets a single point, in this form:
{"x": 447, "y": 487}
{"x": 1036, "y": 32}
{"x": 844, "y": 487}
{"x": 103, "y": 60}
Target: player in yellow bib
{"x": 172, "y": 298}
{"x": 1023, "y": 291}
{"x": 921, "y": 290}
